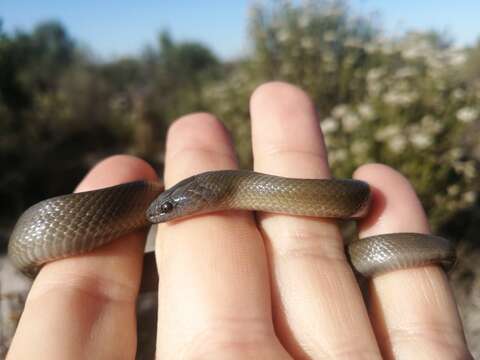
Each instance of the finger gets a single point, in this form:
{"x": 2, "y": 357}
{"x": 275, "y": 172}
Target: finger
{"x": 83, "y": 307}
{"x": 213, "y": 292}
{"x": 413, "y": 311}
{"x": 318, "y": 309}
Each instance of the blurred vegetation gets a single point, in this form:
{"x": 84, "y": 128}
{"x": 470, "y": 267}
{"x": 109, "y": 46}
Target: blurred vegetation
{"x": 411, "y": 102}
{"x": 407, "y": 102}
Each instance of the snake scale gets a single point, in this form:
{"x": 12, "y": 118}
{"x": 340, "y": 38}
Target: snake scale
{"x": 73, "y": 224}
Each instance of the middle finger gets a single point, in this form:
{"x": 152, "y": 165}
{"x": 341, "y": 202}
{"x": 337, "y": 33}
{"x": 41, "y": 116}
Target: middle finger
{"x": 317, "y": 305}
{"x": 213, "y": 290}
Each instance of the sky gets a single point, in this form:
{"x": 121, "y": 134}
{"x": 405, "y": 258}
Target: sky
{"x": 114, "y": 28}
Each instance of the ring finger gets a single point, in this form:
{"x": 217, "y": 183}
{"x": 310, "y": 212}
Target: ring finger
{"x": 318, "y": 309}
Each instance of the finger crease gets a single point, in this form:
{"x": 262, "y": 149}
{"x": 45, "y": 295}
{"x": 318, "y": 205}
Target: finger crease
{"x": 235, "y": 333}
{"x": 202, "y": 151}
{"x": 318, "y": 154}
{"x": 302, "y": 244}
{"x": 102, "y": 289}
{"x": 439, "y": 334}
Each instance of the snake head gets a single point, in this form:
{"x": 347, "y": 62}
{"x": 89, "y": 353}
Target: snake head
{"x": 186, "y": 198}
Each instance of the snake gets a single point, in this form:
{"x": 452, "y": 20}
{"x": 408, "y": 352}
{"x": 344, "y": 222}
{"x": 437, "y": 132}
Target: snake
{"x": 77, "y": 223}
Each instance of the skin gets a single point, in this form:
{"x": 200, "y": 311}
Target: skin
{"x": 236, "y": 287}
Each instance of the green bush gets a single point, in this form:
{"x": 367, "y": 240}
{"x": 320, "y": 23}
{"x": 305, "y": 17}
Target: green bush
{"x": 408, "y": 102}
{"x": 395, "y": 101}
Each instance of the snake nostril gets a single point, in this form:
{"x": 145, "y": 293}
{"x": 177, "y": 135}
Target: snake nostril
{"x": 150, "y": 213}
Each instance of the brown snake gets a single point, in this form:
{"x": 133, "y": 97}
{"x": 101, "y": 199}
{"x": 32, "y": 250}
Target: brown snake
{"x": 76, "y": 223}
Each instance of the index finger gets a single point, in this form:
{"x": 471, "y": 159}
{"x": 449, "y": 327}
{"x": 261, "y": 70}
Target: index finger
{"x": 83, "y": 307}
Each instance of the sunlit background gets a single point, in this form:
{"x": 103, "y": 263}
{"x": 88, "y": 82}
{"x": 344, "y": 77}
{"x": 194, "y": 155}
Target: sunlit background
{"x": 393, "y": 82}
{"x": 113, "y": 29}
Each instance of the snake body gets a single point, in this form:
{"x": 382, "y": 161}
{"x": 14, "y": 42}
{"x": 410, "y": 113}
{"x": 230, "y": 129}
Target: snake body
{"x": 72, "y": 224}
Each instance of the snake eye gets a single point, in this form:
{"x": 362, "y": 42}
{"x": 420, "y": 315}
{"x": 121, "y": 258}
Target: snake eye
{"x": 166, "y": 207}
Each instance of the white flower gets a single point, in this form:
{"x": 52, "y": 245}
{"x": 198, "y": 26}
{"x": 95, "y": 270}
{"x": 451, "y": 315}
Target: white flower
{"x": 431, "y": 125}
{"x": 469, "y": 170}
{"x": 359, "y": 147}
{"x": 387, "y": 132}
{"x": 400, "y": 98}
{"x": 397, "y": 143}
{"x": 304, "y": 20}
{"x": 353, "y": 42}
{"x": 405, "y": 72}
{"x": 349, "y": 60}
{"x": 455, "y": 153}
{"x": 458, "y": 94}
{"x": 307, "y": 43}
{"x": 469, "y": 197}
{"x": 375, "y": 74}
{"x": 338, "y": 155}
{"x": 283, "y": 35}
{"x": 412, "y": 53}
{"x": 467, "y": 114}
{"x": 456, "y": 58}
{"x": 366, "y": 111}
{"x": 420, "y": 140}
{"x": 329, "y": 36}
{"x": 329, "y": 125}
{"x": 328, "y": 57}
{"x": 374, "y": 88}
{"x": 453, "y": 190}
{"x": 435, "y": 63}
{"x": 416, "y": 48}
{"x": 350, "y": 122}
{"x": 371, "y": 47}
{"x": 340, "y": 111}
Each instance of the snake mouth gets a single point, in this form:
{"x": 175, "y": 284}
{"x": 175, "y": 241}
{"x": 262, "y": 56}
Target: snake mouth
{"x": 363, "y": 209}
{"x": 153, "y": 214}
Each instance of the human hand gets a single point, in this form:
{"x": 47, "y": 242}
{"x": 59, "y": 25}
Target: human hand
{"x": 232, "y": 287}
